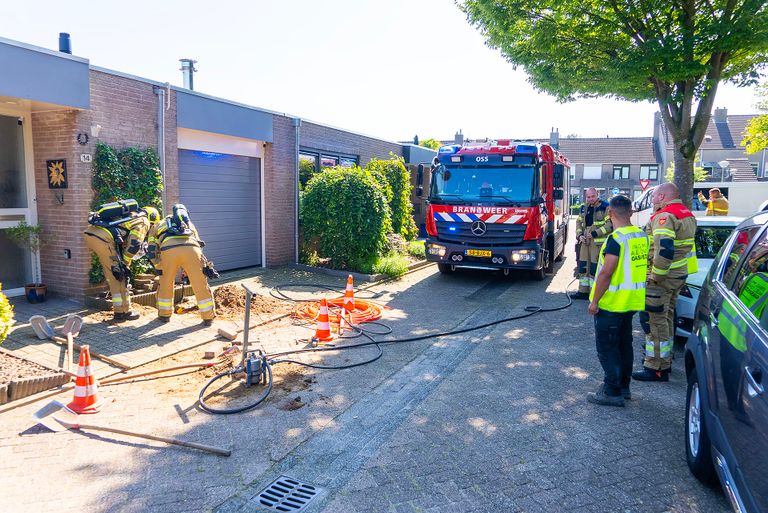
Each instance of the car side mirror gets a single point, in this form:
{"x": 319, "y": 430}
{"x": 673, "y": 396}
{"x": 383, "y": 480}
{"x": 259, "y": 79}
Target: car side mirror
{"x": 558, "y": 171}
{"x": 557, "y": 194}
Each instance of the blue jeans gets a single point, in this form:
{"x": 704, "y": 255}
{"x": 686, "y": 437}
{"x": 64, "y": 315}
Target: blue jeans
{"x": 613, "y": 337}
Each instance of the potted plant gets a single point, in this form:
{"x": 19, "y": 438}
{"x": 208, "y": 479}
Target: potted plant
{"x": 28, "y": 236}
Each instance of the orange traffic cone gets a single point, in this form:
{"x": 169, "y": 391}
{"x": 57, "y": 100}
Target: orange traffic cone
{"x": 86, "y": 387}
{"x": 349, "y": 296}
{"x": 323, "y": 331}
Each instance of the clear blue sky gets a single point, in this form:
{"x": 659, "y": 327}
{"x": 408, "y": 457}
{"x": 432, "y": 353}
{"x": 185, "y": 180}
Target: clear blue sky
{"x": 390, "y": 68}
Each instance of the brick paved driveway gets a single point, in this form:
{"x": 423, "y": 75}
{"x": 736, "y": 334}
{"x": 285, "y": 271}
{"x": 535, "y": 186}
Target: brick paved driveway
{"x": 495, "y": 420}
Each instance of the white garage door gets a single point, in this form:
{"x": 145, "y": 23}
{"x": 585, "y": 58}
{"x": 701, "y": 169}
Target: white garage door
{"x": 222, "y": 195}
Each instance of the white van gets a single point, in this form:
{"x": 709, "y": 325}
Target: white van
{"x": 744, "y": 199}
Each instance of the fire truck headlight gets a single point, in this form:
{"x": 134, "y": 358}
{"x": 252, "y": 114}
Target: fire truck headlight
{"x": 436, "y": 249}
{"x": 523, "y": 255}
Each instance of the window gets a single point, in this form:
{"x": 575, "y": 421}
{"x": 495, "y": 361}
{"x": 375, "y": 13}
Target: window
{"x": 649, "y": 172}
{"x": 733, "y": 258}
{"x": 593, "y": 172}
{"x": 328, "y": 161}
{"x": 307, "y": 167}
{"x": 751, "y": 285}
{"x": 620, "y": 172}
{"x": 572, "y": 172}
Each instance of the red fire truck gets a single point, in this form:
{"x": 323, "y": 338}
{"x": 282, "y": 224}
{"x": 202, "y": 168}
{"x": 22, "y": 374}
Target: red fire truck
{"x": 498, "y": 205}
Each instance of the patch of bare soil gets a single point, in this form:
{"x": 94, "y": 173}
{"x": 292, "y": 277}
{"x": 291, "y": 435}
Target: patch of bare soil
{"x": 230, "y": 304}
{"x": 13, "y": 368}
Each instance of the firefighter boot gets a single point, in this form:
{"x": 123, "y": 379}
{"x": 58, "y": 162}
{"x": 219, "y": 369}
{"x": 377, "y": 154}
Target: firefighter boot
{"x": 651, "y": 375}
{"x": 130, "y": 315}
{"x": 580, "y": 295}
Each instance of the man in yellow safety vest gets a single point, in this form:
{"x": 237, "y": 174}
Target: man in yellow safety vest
{"x": 618, "y": 292}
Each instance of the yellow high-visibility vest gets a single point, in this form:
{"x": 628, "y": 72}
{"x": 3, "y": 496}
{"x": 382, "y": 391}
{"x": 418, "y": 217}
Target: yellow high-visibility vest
{"x": 626, "y": 292}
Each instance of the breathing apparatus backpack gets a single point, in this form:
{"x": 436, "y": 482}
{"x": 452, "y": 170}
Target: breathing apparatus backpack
{"x": 178, "y": 222}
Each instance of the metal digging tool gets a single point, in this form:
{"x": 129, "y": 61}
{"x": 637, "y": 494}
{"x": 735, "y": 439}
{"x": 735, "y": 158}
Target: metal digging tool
{"x": 57, "y": 417}
{"x": 71, "y": 329}
{"x": 44, "y": 331}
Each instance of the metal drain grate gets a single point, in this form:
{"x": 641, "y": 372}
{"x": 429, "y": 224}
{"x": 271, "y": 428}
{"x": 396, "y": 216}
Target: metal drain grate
{"x": 287, "y": 494}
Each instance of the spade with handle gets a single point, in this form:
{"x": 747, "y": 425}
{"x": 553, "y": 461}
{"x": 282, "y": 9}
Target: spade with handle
{"x": 57, "y": 417}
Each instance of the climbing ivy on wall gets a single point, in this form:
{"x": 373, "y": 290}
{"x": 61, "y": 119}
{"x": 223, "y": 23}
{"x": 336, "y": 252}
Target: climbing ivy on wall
{"x": 121, "y": 174}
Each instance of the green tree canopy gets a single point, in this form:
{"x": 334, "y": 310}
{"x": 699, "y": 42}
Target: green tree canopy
{"x": 432, "y": 144}
{"x": 756, "y": 131}
{"x": 674, "y": 52}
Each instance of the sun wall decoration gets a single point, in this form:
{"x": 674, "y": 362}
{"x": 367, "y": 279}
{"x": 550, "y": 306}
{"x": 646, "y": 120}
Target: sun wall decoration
{"x": 57, "y": 174}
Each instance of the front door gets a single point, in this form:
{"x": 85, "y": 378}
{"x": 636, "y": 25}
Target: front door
{"x": 17, "y": 265}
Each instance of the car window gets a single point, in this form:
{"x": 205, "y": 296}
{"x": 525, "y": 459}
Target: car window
{"x": 743, "y": 239}
{"x": 751, "y": 284}
{"x": 709, "y": 240}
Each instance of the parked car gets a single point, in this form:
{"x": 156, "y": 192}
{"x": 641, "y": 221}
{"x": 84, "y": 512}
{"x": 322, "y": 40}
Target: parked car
{"x": 726, "y": 363}
{"x": 711, "y": 234}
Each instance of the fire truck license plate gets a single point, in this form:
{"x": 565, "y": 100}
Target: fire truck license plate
{"x": 479, "y": 252}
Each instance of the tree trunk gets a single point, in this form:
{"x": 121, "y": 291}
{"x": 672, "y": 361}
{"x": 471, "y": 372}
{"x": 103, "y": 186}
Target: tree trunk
{"x": 684, "y": 174}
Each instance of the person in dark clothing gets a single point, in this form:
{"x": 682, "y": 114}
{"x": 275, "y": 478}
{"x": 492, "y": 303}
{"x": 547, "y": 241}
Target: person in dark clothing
{"x": 618, "y": 292}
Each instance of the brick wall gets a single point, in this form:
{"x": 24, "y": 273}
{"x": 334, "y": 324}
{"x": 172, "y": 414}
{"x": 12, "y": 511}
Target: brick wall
{"x": 279, "y": 192}
{"x": 126, "y": 109}
{"x": 333, "y": 140}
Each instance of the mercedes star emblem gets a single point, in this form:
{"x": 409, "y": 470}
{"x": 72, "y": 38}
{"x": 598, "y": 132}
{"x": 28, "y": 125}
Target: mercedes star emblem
{"x": 478, "y": 228}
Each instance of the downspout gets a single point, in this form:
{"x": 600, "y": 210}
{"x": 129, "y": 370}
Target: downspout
{"x": 161, "y": 106}
{"x": 296, "y": 122}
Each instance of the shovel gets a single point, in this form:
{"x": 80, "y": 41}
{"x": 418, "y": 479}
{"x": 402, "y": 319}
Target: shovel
{"x": 44, "y": 331}
{"x": 57, "y": 417}
{"x": 71, "y": 329}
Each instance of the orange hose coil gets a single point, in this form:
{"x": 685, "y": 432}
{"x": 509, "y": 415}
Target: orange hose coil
{"x": 365, "y": 311}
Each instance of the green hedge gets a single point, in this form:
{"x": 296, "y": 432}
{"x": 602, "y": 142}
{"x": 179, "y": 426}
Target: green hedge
{"x": 396, "y": 181}
{"x": 6, "y": 315}
{"x": 346, "y": 212}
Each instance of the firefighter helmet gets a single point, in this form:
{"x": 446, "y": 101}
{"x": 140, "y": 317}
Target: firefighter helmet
{"x": 152, "y": 214}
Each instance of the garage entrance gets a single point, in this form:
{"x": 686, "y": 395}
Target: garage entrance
{"x": 222, "y": 193}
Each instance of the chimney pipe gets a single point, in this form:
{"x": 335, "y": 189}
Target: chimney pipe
{"x": 458, "y": 138}
{"x": 65, "y": 46}
{"x": 554, "y": 138}
{"x": 188, "y": 70}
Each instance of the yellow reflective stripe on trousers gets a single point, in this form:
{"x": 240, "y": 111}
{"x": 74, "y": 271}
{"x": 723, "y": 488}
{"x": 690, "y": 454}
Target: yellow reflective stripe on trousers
{"x": 164, "y": 303}
{"x": 117, "y": 299}
{"x": 205, "y": 305}
{"x": 665, "y": 348}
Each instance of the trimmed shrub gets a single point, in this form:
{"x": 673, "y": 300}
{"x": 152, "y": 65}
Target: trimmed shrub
{"x": 345, "y": 210}
{"x": 397, "y": 179}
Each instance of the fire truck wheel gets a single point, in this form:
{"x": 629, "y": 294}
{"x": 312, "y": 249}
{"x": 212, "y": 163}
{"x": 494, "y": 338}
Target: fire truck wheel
{"x": 540, "y": 274}
{"x": 444, "y": 268}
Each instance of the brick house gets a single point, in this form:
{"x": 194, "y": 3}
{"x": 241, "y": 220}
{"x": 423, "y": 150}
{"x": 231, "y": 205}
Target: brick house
{"x": 235, "y": 166}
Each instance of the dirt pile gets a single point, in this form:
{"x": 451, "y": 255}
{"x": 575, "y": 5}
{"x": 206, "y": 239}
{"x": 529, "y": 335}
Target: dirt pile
{"x": 230, "y": 304}
{"x": 12, "y": 368}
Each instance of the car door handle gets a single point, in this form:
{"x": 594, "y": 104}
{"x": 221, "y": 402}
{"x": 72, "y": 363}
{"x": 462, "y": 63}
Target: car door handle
{"x": 753, "y": 387}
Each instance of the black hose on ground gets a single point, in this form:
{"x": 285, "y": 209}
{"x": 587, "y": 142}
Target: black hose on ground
{"x": 272, "y": 359}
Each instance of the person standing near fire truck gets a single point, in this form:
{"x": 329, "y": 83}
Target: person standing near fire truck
{"x": 592, "y": 227}
{"x": 672, "y": 258}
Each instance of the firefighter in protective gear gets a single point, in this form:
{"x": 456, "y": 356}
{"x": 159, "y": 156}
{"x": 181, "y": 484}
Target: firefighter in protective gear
{"x": 592, "y": 226}
{"x": 672, "y": 258}
{"x": 717, "y": 204}
{"x": 174, "y": 243}
{"x": 118, "y": 240}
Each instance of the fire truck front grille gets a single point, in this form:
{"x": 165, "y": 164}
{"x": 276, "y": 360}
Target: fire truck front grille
{"x": 497, "y": 234}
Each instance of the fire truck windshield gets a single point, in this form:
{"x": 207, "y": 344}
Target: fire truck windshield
{"x": 487, "y": 184}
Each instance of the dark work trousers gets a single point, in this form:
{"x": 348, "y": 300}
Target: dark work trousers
{"x": 613, "y": 335}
